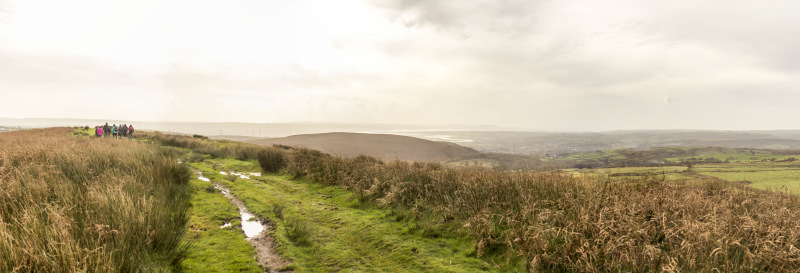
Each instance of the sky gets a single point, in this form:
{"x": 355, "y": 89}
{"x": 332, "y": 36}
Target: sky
{"x": 570, "y": 65}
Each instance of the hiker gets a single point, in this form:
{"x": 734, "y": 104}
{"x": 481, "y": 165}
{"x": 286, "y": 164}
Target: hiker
{"x": 130, "y": 131}
{"x": 106, "y": 129}
{"x": 123, "y": 129}
{"x": 114, "y": 131}
{"x": 98, "y": 131}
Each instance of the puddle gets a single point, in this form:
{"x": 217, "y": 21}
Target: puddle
{"x": 226, "y": 225}
{"x": 241, "y": 175}
{"x": 203, "y": 178}
{"x": 250, "y": 226}
{"x": 223, "y": 190}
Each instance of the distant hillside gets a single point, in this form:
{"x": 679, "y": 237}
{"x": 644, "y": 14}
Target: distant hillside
{"x": 234, "y": 138}
{"x": 386, "y": 147}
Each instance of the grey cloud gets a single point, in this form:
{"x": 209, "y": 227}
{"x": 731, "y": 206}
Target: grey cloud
{"x": 183, "y": 79}
{"x": 506, "y": 17}
{"x": 24, "y": 68}
{"x": 6, "y": 6}
{"x": 764, "y": 30}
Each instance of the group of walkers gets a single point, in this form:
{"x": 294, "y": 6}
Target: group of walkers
{"x": 122, "y": 131}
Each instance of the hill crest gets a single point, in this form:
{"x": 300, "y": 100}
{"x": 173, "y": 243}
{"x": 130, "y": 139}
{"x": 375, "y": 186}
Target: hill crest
{"x": 383, "y": 146}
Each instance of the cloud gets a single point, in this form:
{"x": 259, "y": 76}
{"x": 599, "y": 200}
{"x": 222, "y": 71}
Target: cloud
{"x": 56, "y": 69}
{"x": 567, "y": 65}
{"x": 506, "y": 17}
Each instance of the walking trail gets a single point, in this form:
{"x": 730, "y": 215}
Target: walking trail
{"x": 256, "y": 230}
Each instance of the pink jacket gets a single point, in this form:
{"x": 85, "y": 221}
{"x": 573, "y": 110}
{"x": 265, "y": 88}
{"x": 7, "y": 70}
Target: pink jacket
{"x": 99, "y": 131}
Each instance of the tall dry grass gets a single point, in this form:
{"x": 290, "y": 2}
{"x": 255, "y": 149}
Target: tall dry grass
{"x": 72, "y": 204}
{"x": 559, "y": 223}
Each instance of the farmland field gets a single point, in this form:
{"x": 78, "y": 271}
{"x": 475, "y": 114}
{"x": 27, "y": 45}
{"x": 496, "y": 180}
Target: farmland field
{"x": 669, "y": 172}
{"x": 773, "y": 176}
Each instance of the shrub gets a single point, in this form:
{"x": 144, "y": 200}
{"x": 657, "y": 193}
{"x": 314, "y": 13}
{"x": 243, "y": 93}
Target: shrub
{"x": 271, "y": 160}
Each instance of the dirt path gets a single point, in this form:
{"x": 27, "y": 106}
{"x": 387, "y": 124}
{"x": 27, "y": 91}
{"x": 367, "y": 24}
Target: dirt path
{"x": 266, "y": 255}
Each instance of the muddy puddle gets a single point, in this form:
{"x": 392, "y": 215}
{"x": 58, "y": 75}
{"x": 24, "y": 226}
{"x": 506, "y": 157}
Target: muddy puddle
{"x": 241, "y": 175}
{"x": 251, "y": 226}
{"x": 256, "y": 230}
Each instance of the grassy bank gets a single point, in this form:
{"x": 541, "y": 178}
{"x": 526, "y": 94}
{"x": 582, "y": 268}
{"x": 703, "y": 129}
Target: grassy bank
{"x": 547, "y": 221}
{"x": 80, "y": 204}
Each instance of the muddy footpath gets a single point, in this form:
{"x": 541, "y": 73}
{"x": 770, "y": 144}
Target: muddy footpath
{"x": 257, "y": 231}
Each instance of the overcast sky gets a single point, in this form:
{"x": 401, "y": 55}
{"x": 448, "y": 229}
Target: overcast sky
{"x": 548, "y": 65}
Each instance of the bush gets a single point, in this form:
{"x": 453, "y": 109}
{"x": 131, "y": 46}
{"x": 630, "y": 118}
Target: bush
{"x": 271, "y": 160}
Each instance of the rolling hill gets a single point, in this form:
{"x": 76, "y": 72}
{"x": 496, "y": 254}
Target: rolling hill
{"x": 383, "y": 146}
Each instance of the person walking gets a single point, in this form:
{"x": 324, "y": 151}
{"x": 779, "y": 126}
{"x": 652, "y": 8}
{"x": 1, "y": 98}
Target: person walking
{"x": 130, "y": 131}
{"x": 122, "y": 131}
{"x": 106, "y": 130}
{"x": 114, "y": 131}
{"x": 98, "y": 131}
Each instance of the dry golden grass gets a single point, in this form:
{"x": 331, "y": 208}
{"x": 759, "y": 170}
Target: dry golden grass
{"x": 79, "y": 204}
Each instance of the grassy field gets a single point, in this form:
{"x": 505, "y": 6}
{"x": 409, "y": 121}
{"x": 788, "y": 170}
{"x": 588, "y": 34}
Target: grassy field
{"x": 345, "y": 210}
{"x": 667, "y": 172}
{"x": 678, "y": 154}
{"x": 597, "y": 155}
{"x": 769, "y": 175}
{"x": 779, "y": 176}
{"x": 79, "y": 204}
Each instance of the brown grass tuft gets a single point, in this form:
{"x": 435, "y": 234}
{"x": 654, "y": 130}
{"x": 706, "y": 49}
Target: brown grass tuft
{"x": 85, "y": 204}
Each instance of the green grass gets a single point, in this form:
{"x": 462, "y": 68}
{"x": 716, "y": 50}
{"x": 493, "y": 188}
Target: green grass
{"x": 593, "y": 155}
{"x": 774, "y": 176}
{"x": 762, "y": 175}
{"x": 742, "y": 157}
{"x": 670, "y": 172}
{"x": 341, "y": 235}
{"x": 212, "y": 248}
{"x": 481, "y": 162}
